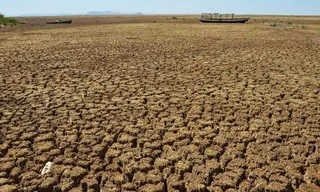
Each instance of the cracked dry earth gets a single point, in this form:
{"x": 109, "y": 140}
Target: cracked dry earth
{"x": 160, "y": 107}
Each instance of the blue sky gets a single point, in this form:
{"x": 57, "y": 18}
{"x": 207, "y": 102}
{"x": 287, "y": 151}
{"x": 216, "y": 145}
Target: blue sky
{"x": 292, "y": 7}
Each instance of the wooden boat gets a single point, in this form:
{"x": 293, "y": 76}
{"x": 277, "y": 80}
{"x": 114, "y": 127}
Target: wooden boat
{"x": 221, "y": 18}
{"x": 240, "y": 20}
{"x": 60, "y": 22}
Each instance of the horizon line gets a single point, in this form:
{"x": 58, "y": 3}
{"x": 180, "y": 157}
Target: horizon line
{"x": 143, "y": 14}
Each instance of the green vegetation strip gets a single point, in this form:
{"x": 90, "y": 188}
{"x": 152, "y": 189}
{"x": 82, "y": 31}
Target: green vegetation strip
{"x": 7, "y": 21}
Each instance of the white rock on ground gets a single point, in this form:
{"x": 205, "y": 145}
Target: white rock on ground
{"x": 47, "y": 168}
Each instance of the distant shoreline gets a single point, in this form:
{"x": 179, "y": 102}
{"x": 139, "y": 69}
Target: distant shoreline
{"x": 124, "y": 14}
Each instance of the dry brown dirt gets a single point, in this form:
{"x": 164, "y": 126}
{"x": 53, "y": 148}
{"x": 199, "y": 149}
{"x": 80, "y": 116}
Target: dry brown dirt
{"x": 171, "y": 106}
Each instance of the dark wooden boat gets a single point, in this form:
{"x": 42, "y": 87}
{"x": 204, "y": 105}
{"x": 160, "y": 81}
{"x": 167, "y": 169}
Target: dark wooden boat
{"x": 60, "y": 22}
{"x": 221, "y": 18}
{"x": 239, "y": 20}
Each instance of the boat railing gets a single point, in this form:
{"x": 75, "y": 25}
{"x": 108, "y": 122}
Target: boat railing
{"x": 217, "y": 16}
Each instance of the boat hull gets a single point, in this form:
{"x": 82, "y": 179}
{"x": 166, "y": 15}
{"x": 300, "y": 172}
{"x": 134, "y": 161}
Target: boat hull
{"x": 240, "y": 20}
{"x": 60, "y": 22}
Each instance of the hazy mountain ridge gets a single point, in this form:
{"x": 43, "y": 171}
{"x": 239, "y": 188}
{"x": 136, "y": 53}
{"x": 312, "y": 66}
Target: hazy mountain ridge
{"x": 88, "y": 13}
{"x": 110, "y": 13}
{"x": 45, "y": 14}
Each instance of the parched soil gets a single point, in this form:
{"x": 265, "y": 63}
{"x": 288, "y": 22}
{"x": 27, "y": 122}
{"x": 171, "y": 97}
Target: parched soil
{"x": 156, "y": 107}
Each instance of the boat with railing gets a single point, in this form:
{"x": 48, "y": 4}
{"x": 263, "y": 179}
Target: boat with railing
{"x": 221, "y": 18}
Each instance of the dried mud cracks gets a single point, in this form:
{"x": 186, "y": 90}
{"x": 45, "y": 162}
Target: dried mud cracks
{"x": 160, "y": 107}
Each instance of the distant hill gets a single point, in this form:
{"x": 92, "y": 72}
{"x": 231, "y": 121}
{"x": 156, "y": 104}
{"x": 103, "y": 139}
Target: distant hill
{"x": 111, "y": 13}
{"x": 44, "y": 14}
{"x": 70, "y": 14}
